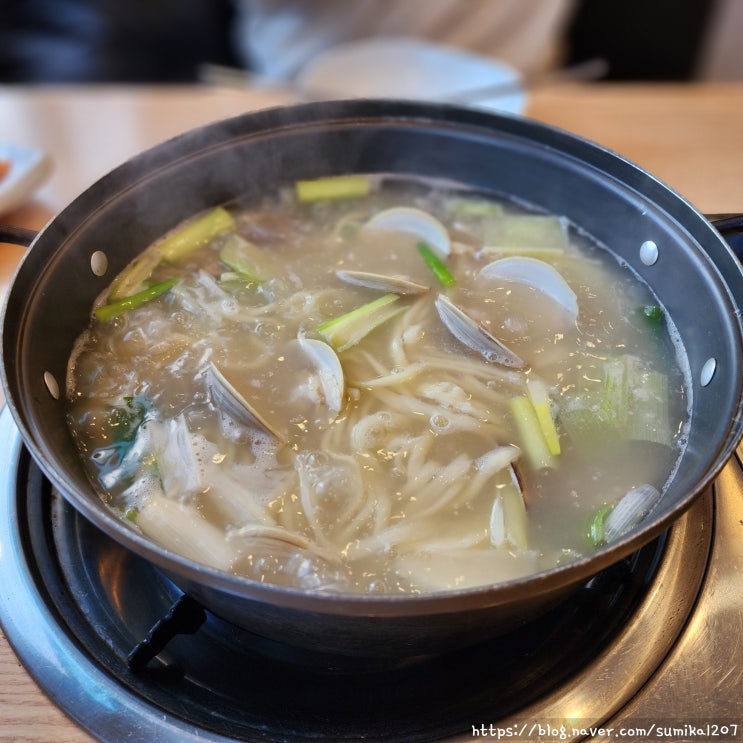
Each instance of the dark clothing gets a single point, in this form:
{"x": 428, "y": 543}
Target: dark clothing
{"x": 112, "y": 40}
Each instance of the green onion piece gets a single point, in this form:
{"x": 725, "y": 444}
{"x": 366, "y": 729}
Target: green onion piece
{"x": 439, "y": 270}
{"x": 131, "y": 514}
{"x": 227, "y": 277}
{"x": 595, "y": 531}
{"x": 243, "y": 258}
{"x": 348, "y": 329}
{"x": 653, "y": 313}
{"x": 193, "y": 235}
{"x": 124, "y": 420}
{"x": 115, "y": 309}
{"x": 132, "y": 279}
{"x": 333, "y": 187}
{"x": 530, "y": 433}
{"x": 474, "y": 208}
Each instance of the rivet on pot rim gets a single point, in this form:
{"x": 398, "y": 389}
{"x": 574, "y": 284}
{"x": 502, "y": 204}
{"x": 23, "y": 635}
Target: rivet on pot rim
{"x": 99, "y": 263}
{"x": 51, "y": 385}
{"x": 648, "y": 252}
{"x": 708, "y": 371}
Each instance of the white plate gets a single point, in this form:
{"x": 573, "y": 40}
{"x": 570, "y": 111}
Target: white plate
{"x": 408, "y": 69}
{"x": 28, "y": 170}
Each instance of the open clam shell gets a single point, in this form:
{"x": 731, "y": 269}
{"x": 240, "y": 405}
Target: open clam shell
{"x": 632, "y": 508}
{"x": 538, "y": 274}
{"x": 415, "y": 221}
{"x": 238, "y": 406}
{"x": 315, "y": 390}
{"x": 508, "y": 525}
{"x": 394, "y": 284}
{"x": 474, "y": 335}
{"x": 329, "y": 372}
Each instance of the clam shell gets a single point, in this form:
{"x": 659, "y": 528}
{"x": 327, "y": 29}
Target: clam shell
{"x": 631, "y": 509}
{"x": 473, "y": 335}
{"x": 535, "y": 273}
{"x": 237, "y": 405}
{"x": 330, "y": 372}
{"x": 393, "y": 284}
{"x": 508, "y": 525}
{"x": 415, "y": 221}
{"x": 263, "y": 531}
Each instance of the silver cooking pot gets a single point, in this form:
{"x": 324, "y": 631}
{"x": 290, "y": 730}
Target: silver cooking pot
{"x": 695, "y": 276}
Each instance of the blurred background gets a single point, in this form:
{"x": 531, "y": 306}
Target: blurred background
{"x": 170, "y": 41}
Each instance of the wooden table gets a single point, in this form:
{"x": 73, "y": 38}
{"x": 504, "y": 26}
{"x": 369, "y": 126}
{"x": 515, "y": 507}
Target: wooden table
{"x": 689, "y": 136}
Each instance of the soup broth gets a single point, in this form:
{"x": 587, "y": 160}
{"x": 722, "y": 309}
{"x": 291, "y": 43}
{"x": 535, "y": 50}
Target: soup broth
{"x": 378, "y": 385}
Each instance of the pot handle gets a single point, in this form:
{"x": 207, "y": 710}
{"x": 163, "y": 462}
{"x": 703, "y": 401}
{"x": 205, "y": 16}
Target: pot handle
{"x": 730, "y": 226}
{"x": 16, "y": 235}
{"x": 726, "y": 224}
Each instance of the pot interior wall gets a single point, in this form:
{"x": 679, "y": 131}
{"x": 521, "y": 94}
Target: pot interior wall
{"x": 695, "y": 278}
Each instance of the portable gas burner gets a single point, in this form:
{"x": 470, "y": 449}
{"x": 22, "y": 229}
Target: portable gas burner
{"x": 650, "y": 646}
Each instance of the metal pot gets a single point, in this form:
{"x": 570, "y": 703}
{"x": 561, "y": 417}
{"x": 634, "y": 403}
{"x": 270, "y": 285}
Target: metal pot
{"x": 695, "y": 277}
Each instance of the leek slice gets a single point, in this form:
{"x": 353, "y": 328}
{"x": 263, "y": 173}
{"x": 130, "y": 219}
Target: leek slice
{"x": 631, "y": 402}
{"x": 545, "y": 253}
{"x": 332, "y": 187}
{"x": 115, "y": 309}
{"x": 192, "y": 236}
{"x": 635, "y": 400}
{"x": 348, "y": 329}
{"x": 530, "y": 433}
{"x": 525, "y": 232}
{"x": 540, "y": 401}
{"x": 474, "y": 208}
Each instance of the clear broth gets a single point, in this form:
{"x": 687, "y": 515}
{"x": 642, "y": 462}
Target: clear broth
{"x": 394, "y": 493}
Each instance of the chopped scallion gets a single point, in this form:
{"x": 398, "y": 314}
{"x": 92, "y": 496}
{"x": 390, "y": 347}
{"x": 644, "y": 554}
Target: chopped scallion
{"x": 653, "y": 313}
{"x": 332, "y": 187}
{"x": 437, "y": 266}
{"x": 595, "y": 531}
{"x": 193, "y": 235}
{"x": 115, "y": 309}
{"x": 348, "y": 329}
